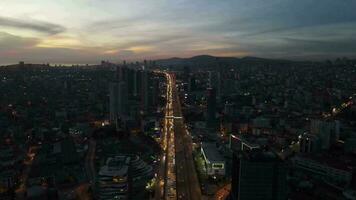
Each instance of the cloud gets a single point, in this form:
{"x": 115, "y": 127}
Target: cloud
{"x": 112, "y": 24}
{"x": 34, "y": 25}
{"x": 13, "y": 42}
{"x": 150, "y": 29}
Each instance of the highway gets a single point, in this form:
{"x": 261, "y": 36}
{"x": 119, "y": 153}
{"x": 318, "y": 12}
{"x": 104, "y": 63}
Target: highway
{"x": 337, "y": 110}
{"x": 166, "y": 183}
{"x": 177, "y": 178}
{"x": 187, "y": 180}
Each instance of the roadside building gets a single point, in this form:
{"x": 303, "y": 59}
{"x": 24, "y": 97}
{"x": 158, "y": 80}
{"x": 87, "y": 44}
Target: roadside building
{"x": 214, "y": 161}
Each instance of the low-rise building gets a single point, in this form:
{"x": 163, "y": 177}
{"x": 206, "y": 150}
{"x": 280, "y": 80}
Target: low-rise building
{"x": 113, "y": 178}
{"x": 214, "y": 161}
{"x": 320, "y": 168}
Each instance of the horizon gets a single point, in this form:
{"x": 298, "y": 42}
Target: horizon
{"x": 168, "y": 58}
{"x": 63, "y": 31}
{"x": 132, "y": 61}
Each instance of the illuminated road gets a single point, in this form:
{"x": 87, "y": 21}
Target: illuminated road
{"x": 223, "y": 193}
{"x": 20, "y": 192}
{"x": 166, "y": 177}
{"x": 177, "y": 178}
{"x": 337, "y": 110}
{"x": 187, "y": 180}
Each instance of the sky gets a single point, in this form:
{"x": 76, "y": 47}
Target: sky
{"x": 87, "y": 31}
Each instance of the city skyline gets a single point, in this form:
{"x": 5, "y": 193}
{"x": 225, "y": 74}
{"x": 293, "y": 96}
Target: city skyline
{"x": 85, "y": 31}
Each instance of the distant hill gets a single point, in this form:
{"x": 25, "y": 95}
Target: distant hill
{"x": 207, "y": 61}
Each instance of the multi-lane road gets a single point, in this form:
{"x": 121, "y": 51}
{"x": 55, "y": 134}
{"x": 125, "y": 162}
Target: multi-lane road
{"x": 187, "y": 180}
{"x": 166, "y": 177}
{"x": 339, "y": 109}
{"x": 176, "y": 177}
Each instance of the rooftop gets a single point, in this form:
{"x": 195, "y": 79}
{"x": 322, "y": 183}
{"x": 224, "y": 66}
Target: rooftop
{"x": 342, "y": 161}
{"x": 117, "y": 166}
{"x": 211, "y": 152}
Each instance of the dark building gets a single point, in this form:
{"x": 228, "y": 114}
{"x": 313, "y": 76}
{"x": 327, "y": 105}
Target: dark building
{"x": 215, "y": 82}
{"x": 137, "y": 83}
{"x": 186, "y": 73}
{"x": 118, "y": 96}
{"x": 309, "y": 143}
{"x": 192, "y": 84}
{"x": 131, "y": 82}
{"x": 211, "y": 107}
{"x": 258, "y": 175}
{"x": 145, "y": 90}
{"x": 154, "y": 91}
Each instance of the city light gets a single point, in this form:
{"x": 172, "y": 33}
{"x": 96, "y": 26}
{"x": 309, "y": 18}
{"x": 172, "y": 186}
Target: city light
{"x": 177, "y": 100}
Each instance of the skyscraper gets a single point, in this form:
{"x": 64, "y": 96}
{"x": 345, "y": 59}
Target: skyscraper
{"x": 186, "y": 73}
{"x": 258, "y": 175}
{"x": 215, "y": 82}
{"x": 137, "y": 82}
{"x": 118, "y": 94}
{"x": 154, "y": 91}
{"x": 211, "y": 107}
{"x": 192, "y": 84}
{"x": 131, "y": 82}
{"x": 118, "y": 99}
{"x": 144, "y": 90}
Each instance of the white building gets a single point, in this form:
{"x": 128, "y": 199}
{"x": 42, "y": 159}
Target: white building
{"x": 214, "y": 161}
